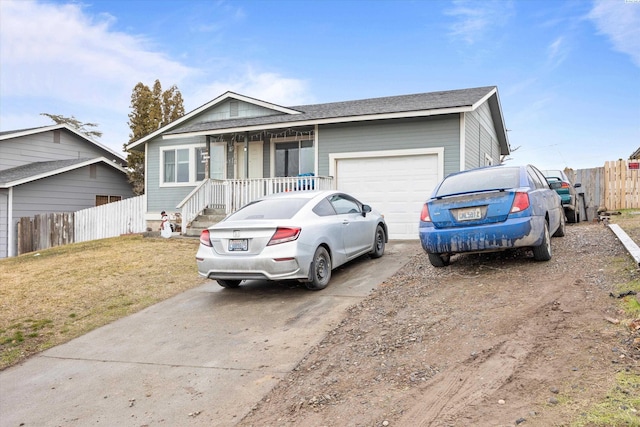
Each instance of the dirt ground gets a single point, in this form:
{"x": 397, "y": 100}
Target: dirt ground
{"x": 492, "y": 340}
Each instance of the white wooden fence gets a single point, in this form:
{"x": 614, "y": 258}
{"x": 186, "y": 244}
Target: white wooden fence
{"x": 111, "y": 220}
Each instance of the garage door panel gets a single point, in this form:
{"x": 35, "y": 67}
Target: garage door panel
{"x": 397, "y": 186}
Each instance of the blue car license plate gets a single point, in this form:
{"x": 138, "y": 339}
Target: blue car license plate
{"x": 469, "y": 214}
{"x": 238, "y": 245}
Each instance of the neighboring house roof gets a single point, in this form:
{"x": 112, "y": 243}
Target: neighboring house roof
{"x": 38, "y": 170}
{"x": 403, "y": 106}
{"x": 32, "y": 131}
{"x": 636, "y": 154}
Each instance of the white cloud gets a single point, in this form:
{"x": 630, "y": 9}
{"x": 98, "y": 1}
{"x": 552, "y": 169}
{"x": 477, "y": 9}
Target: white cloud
{"x": 270, "y": 87}
{"x": 58, "y": 52}
{"x": 475, "y": 19}
{"x": 620, "y": 21}
{"x": 59, "y": 59}
{"x": 557, "y": 51}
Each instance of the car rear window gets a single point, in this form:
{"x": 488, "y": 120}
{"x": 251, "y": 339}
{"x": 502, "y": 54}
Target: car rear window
{"x": 269, "y": 209}
{"x": 480, "y": 180}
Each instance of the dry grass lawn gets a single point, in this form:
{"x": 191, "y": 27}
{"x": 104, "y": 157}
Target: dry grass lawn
{"x": 52, "y": 296}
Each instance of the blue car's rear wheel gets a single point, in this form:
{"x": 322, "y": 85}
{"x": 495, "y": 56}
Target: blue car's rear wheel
{"x": 439, "y": 260}
{"x": 543, "y": 251}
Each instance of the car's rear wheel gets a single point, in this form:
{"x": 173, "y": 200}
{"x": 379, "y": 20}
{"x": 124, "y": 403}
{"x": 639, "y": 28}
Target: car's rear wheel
{"x": 439, "y": 260}
{"x": 320, "y": 273}
{"x": 378, "y": 244}
{"x": 561, "y": 228}
{"x": 543, "y": 251}
{"x": 228, "y": 283}
{"x": 573, "y": 216}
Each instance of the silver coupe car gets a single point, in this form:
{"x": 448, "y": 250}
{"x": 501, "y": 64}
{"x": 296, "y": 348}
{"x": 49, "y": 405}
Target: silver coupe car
{"x": 300, "y": 235}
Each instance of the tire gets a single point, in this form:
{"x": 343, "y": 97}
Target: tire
{"x": 561, "y": 229}
{"x": 439, "y": 260}
{"x": 378, "y": 243}
{"x": 573, "y": 216}
{"x": 320, "y": 272}
{"x": 228, "y": 283}
{"x": 543, "y": 251}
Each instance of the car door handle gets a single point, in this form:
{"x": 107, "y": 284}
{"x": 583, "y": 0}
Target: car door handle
{"x": 345, "y": 222}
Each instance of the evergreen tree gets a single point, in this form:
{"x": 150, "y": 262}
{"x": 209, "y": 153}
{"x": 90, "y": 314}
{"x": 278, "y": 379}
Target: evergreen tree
{"x": 150, "y": 110}
{"x": 76, "y": 124}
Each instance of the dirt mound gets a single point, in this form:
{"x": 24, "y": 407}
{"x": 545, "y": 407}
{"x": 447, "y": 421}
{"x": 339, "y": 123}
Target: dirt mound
{"x": 492, "y": 340}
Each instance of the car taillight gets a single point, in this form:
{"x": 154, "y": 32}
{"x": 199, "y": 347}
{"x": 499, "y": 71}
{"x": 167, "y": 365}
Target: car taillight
{"x": 204, "y": 238}
{"x": 424, "y": 215}
{"x": 520, "y": 202}
{"x": 565, "y": 185}
{"x": 284, "y": 234}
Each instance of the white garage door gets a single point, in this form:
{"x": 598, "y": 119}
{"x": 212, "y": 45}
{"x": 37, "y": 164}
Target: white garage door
{"x": 396, "y": 186}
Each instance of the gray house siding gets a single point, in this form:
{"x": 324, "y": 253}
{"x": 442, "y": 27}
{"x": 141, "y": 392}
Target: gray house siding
{"x": 431, "y": 132}
{"x": 4, "y": 217}
{"x": 46, "y": 146}
{"x": 166, "y": 197}
{"x": 68, "y": 192}
{"x": 480, "y": 138}
{"x": 227, "y": 110}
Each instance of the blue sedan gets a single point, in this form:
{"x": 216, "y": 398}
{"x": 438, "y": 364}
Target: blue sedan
{"x": 491, "y": 209}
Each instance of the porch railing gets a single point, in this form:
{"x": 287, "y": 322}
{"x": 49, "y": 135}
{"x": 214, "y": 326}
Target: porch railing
{"x": 232, "y": 194}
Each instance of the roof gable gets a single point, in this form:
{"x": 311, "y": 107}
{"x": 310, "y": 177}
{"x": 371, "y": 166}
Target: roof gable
{"x": 39, "y": 170}
{"x": 220, "y": 109}
{"x": 33, "y": 131}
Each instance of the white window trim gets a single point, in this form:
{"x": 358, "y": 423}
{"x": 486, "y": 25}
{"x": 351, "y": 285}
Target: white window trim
{"x": 192, "y": 164}
{"x": 298, "y": 139}
{"x": 488, "y": 160}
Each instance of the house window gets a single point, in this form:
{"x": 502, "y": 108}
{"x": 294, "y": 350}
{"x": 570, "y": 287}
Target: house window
{"x": 200, "y": 163}
{"x": 181, "y": 165}
{"x": 103, "y": 200}
{"x": 294, "y": 158}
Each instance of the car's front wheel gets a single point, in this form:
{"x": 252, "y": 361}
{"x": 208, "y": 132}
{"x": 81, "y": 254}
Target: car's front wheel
{"x": 228, "y": 283}
{"x": 439, "y": 260}
{"x": 378, "y": 243}
{"x": 320, "y": 273}
{"x": 543, "y": 251}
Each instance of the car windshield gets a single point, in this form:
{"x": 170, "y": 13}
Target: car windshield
{"x": 269, "y": 209}
{"x": 480, "y": 180}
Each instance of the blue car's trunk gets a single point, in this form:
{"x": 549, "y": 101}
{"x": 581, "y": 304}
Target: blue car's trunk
{"x": 468, "y": 210}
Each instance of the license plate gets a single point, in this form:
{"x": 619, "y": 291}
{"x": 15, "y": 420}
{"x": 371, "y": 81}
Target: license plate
{"x": 469, "y": 214}
{"x": 238, "y": 245}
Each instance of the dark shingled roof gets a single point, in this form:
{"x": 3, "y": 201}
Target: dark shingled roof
{"x": 373, "y": 106}
{"x": 33, "y": 170}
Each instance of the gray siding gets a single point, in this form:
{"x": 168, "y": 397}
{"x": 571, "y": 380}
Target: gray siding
{"x": 165, "y": 198}
{"x": 480, "y": 138}
{"x": 431, "y": 132}
{"x": 223, "y": 112}
{"x": 68, "y": 192}
{"x": 41, "y": 147}
{"x": 4, "y": 217}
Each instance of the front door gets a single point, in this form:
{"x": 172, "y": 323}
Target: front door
{"x": 255, "y": 160}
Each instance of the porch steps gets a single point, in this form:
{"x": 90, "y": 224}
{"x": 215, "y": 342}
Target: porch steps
{"x": 206, "y": 219}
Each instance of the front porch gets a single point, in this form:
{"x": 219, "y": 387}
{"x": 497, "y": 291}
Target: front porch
{"x": 231, "y": 194}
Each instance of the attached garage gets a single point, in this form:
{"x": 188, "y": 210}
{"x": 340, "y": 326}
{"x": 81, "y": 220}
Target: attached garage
{"x": 394, "y": 182}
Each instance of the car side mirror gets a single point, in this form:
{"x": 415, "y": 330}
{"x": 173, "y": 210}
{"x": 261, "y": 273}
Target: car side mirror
{"x": 365, "y": 210}
{"x": 577, "y": 184}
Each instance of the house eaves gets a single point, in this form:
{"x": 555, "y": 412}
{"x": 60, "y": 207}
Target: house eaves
{"x": 205, "y": 107}
{"x": 635, "y": 155}
{"x": 39, "y": 170}
{"x": 34, "y": 131}
{"x": 393, "y": 107}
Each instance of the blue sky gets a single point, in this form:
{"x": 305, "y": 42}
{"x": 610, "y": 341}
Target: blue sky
{"x": 567, "y": 72}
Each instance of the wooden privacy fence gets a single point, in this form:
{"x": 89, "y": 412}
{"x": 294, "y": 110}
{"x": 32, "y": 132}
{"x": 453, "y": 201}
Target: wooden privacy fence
{"x": 613, "y": 186}
{"x": 55, "y": 229}
{"x": 45, "y": 231}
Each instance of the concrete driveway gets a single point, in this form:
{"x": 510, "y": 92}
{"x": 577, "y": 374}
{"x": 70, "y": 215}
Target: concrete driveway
{"x": 202, "y": 358}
